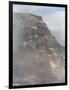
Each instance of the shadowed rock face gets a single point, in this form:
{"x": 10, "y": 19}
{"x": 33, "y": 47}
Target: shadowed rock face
{"x": 37, "y": 56}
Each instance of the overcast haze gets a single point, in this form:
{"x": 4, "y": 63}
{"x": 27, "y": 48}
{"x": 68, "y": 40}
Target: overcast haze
{"x": 54, "y": 17}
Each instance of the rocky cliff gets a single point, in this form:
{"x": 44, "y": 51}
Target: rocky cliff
{"x": 37, "y": 56}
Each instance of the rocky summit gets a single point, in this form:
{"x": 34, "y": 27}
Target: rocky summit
{"x": 37, "y": 56}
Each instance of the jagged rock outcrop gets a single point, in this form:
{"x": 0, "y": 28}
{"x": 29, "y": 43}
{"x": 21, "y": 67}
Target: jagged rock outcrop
{"x": 37, "y": 56}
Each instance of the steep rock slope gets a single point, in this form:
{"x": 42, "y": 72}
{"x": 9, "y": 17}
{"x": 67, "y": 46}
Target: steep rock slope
{"x": 37, "y": 57}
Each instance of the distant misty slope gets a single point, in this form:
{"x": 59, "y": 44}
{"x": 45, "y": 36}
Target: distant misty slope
{"x": 56, "y": 24}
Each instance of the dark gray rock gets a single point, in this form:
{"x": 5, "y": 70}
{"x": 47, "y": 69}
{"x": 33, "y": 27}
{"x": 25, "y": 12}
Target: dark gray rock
{"x": 37, "y": 56}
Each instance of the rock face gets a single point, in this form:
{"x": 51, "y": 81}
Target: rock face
{"x": 37, "y": 57}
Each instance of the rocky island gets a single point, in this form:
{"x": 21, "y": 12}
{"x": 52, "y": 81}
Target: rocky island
{"x": 38, "y": 58}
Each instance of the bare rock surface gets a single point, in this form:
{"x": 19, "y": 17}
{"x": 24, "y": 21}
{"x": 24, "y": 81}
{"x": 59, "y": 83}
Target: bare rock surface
{"x": 37, "y": 56}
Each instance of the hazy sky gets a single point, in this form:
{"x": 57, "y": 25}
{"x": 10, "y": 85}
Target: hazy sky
{"x": 54, "y": 17}
{"x": 39, "y": 10}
